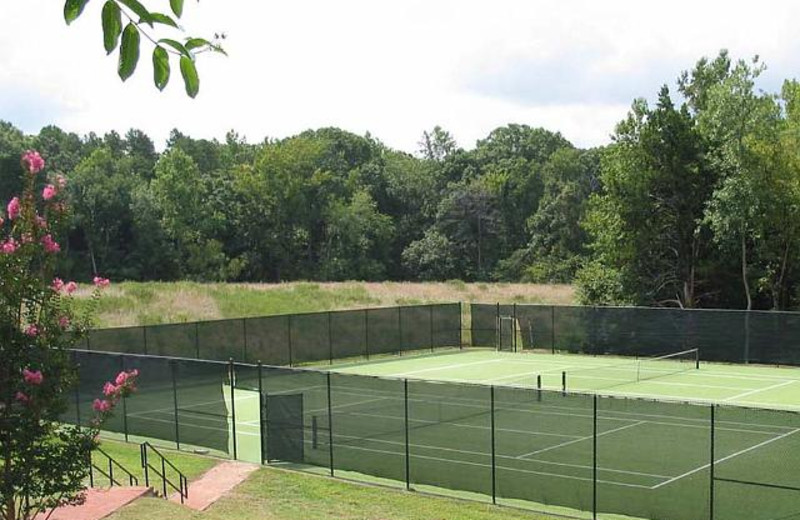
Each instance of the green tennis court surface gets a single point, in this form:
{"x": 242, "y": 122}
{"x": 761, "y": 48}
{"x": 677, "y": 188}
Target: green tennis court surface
{"x": 674, "y": 378}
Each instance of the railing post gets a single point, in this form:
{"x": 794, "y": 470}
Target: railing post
{"x": 110, "y": 473}
{"x": 164, "y": 477}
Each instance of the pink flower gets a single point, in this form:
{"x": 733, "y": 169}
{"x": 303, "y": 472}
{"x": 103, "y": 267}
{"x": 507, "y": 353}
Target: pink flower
{"x": 70, "y": 287}
{"x": 101, "y": 282}
{"x": 121, "y": 379}
{"x": 63, "y": 322}
{"x": 22, "y": 397}
{"x": 13, "y": 208}
{"x": 49, "y": 192}
{"x": 50, "y": 245}
{"x": 34, "y": 377}
{"x": 9, "y": 246}
{"x": 32, "y": 330}
{"x": 61, "y": 181}
{"x": 101, "y": 405}
{"x": 57, "y": 284}
{"x": 134, "y": 372}
{"x": 109, "y": 389}
{"x": 33, "y": 161}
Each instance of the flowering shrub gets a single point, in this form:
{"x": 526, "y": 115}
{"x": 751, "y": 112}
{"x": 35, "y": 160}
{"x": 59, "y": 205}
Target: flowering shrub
{"x": 44, "y": 461}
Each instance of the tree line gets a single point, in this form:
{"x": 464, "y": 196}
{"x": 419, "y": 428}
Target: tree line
{"x": 694, "y": 202}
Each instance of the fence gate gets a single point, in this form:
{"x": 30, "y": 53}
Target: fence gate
{"x": 284, "y": 427}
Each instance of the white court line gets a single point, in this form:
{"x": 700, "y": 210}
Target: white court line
{"x": 759, "y": 390}
{"x": 588, "y": 437}
{"x": 485, "y": 454}
{"x": 723, "y": 459}
{"x": 488, "y": 466}
{"x": 445, "y": 367}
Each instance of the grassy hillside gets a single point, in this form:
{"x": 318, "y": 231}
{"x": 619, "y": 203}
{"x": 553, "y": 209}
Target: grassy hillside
{"x": 149, "y": 303}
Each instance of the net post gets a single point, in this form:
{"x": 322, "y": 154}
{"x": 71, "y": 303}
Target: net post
{"x": 514, "y": 327}
{"x": 232, "y": 375}
{"x": 494, "y": 450}
{"x": 173, "y": 370}
{"x": 594, "y": 457}
{"x": 330, "y": 424}
{"x": 330, "y": 338}
{"x": 261, "y": 425}
{"x": 697, "y": 359}
{"x": 407, "y": 441}
{"x": 711, "y": 463}
{"x": 539, "y": 387}
{"x": 366, "y": 333}
{"x": 564, "y": 383}
{"x": 289, "y": 337}
{"x": 124, "y": 402}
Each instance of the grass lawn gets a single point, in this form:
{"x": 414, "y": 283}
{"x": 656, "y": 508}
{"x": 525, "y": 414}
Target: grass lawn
{"x": 149, "y": 303}
{"x": 272, "y": 494}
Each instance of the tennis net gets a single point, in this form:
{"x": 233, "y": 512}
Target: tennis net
{"x": 630, "y": 371}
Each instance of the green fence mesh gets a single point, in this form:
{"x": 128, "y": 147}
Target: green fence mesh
{"x": 721, "y": 335}
{"x": 590, "y": 456}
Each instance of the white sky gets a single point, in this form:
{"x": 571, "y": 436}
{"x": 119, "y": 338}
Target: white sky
{"x": 389, "y": 67}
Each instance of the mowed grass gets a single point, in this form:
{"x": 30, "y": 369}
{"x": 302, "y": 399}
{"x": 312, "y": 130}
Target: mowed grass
{"x": 273, "y": 494}
{"x": 150, "y": 303}
{"x": 127, "y": 454}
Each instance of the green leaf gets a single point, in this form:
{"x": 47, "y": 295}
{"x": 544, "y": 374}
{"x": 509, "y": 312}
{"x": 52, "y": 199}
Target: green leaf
{"x": 160, "y": 67}
{"x": 178, "y": 46}
{"x": 177, "y": 7}
{"x": 190, "y": 78}
{"x": 193, "y": 43}
{"x": 112, "y": 25}
{"x": 129, "y": 52}
{"x": 73, "y": 9}
{"x": 140, "y": 10}
{"x": 163, "y": 19}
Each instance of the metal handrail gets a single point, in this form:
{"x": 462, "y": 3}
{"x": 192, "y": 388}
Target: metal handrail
{"x": 183, "y": 483}
{"x": 132, "y": 479}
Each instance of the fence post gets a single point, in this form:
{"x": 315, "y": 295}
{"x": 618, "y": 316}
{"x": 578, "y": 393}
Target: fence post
{"x": 594, "y": 458}
{"x": 514, "y": 327}
{"x": 366, "y": 333}
{"x": 712, "y": 462}
{"x": 408, "y": 451}
{"x": 124, "y": 402}
{"x": 261, "y": 426}
{"x": 289, "y": 336}
{"x": 88, "y": 341}
{"x": 498, "y": 337}
{"x": 173, "y": 369}
{"x": 460, "y": 326}
{"x": 232, "y": 372}
{"x": 430, "y": 325}
{"x": 494, "y": 451}
{"x": 330, "y": 337}
{"x": 400, "y": 327}
{"x": 244, "y": 340}
{"x": 330, "y": 424}
{"x": 553, "y": 328}
{"x": 144, "y": 338}
{"x": 77, "y": 389}
{"x": 197, "y": 339}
